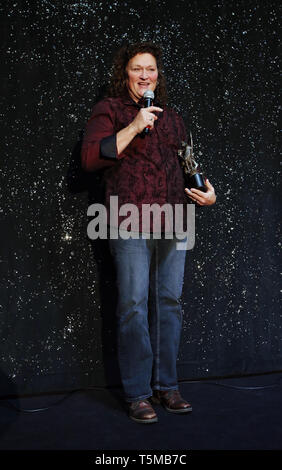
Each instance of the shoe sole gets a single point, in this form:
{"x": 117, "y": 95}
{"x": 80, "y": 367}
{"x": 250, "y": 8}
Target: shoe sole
{"x": 144, "y": 421}
{"x": 182, "y": 411}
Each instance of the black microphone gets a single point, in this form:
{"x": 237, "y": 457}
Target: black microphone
{"x": 148, "y": 101}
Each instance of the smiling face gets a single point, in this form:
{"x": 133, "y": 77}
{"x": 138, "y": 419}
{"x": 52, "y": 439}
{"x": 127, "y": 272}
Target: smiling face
{"x": 142, "y": 75}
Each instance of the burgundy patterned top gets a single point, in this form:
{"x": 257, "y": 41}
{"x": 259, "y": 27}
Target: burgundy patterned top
{"x": 148, "y": 170}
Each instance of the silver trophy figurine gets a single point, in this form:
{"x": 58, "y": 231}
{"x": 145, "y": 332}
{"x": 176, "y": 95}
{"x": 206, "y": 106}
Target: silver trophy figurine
{"x": 193, "y": 178}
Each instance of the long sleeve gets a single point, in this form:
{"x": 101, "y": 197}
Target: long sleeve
{"x": 181, "y": 129}
{"x": 99, "y": 143}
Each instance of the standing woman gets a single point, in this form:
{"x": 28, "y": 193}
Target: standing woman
{"x": 143, "y": 169}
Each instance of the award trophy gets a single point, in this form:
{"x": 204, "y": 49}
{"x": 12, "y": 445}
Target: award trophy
{"x": 193, "y": 178}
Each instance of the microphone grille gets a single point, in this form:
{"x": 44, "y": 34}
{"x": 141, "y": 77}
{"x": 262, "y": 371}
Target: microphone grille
{"x": 149, "y": 94}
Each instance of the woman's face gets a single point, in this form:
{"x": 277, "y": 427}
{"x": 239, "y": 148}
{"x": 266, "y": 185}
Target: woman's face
{"x": 142, "y": 75}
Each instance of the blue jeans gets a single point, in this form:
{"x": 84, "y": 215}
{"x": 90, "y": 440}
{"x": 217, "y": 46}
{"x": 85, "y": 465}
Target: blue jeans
{"x": 149, "y": 316}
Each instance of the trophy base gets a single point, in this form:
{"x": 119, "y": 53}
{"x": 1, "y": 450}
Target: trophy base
{"x": 196, "y": 181}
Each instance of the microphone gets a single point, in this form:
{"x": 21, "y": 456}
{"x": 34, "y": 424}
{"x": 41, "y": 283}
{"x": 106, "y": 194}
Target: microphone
{"x": 148, "y": 101}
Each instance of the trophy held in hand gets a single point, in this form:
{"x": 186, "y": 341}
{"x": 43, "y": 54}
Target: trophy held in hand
{"x": 193, "y": 178}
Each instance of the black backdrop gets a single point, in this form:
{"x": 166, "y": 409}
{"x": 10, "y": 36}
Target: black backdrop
{"x": 57, "y": 293}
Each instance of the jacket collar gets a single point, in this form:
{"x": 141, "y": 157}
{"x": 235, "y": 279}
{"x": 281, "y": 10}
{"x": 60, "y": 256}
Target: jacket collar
{"x": 127, "y": 100}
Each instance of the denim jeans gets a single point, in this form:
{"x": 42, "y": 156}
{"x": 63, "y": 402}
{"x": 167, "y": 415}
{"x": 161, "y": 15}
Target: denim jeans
{"x": 150, "y": 276}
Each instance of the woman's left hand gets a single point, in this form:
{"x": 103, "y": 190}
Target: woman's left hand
{"x": 203, "y": 199}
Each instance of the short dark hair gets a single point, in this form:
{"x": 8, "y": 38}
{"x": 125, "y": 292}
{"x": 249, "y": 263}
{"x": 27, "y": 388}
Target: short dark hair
{"x": 118, "y": 81}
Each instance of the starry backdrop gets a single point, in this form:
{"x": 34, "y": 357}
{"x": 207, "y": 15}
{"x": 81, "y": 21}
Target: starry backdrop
{"x": 57, "y": 287}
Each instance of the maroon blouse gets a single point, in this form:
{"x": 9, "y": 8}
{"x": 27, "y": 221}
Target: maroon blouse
{"x": 148, "y": 170}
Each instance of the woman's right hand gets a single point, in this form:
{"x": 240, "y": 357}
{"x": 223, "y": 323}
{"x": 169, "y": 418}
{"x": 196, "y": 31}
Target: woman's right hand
{"x": 145, "y": 118}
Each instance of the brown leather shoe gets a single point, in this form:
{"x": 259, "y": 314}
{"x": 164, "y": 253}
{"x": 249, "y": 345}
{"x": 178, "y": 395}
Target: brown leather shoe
{"x": 171, "y": 401}
{"x": 142, "y": 412}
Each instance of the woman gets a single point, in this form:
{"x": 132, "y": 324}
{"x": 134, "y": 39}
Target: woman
{"x": 143, "y": 169}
